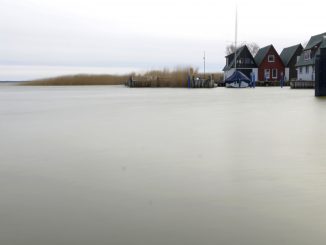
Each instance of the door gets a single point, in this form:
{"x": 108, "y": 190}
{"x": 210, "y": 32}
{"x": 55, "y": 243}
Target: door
{"x": 267, "y": 74}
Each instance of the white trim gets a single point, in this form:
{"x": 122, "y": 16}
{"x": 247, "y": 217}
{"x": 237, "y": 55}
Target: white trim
{"x": 274, "y": 77}
{"x": 287, "y": 74}
{"x": 267, "y": 71}
{"x": 271, "y": 60}
{"x": 306, "y": 76}
{"x": 307, "y": 54}
{"x": 255, "y": 71}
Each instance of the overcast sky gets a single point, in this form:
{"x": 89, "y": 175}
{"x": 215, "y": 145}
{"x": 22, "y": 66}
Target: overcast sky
{"x": 123, "y": 35}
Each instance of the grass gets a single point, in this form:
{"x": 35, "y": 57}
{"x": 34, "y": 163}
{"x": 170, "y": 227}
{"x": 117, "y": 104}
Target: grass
{"x": 155, "y": 78}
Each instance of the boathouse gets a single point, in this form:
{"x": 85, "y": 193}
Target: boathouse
{"x": 270, "y": 64}
{"x": 290, "y": 56}
{"x": 245, "y": 63}
{"x": 306, "y": 62}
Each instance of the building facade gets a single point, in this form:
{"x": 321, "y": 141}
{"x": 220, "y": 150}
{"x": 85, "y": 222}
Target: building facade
{"x": 290, "y": 57}
{"x": 245, "y": 63}
{"x": 270, "y": 64}
{"x": 306, "y": 62}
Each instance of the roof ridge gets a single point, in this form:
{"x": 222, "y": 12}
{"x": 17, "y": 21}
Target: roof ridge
{"x": 288, "y": 52}
{"x": 261, "y": 54}
{"x": 293, "y": 46}
{"x": 320, "y": 34}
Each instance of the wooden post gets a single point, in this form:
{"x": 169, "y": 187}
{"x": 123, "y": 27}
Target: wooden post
{"x": 320, "y": 76}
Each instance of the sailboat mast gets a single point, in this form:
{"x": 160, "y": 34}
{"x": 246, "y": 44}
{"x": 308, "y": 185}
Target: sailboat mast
{"x": 236, "y": 37}
{"x": 204, "y": 64}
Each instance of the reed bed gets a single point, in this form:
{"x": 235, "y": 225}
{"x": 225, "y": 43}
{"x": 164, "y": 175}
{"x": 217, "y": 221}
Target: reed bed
{"x": 81, "y": 79}
{"x": 155, "y": 78}
{"x": 164, "y": 78}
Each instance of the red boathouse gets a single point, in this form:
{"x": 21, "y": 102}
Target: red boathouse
{"x": 270, "y": 64}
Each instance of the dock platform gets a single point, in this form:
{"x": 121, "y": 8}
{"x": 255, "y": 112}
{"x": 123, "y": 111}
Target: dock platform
{"x": 302, "y": 84}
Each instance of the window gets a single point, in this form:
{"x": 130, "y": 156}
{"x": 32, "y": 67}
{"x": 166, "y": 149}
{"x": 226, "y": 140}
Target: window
{"x": 267, "y": 74}
{"x": 300, "y": 70}
{"x": 274, "y": 73}
{"x": 307, "y": 69}
{"x": 248, "y": 61}
{"x": 307, "y": 54}
{"x": 227, "y": 61}
{"x": 271, "y": 58}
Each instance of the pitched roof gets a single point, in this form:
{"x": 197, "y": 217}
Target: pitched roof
{"x": 314, "y": 41}
{"x": 239, "y": 50}
{"x": 288, "y": 53}
{"x": 323, "y": 45}
{"x": 231, "y": 62}
{"x": 303, "y": 62}
{"x": 261, "y": 54}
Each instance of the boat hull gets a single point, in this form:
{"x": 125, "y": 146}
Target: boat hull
{"x": 237, "y": 85}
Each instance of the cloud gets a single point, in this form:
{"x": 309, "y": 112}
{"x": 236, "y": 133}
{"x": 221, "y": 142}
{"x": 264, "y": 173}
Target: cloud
{"x": 144, "y": 33}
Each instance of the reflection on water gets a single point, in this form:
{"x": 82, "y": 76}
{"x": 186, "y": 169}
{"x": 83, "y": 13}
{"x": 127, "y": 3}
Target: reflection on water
{"x": 112, "y": 165}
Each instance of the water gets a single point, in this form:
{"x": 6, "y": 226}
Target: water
{"x": 112, "y": 165}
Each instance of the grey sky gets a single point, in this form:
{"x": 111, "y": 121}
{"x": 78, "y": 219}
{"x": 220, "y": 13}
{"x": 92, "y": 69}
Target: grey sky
{"x": 144, "y": 34}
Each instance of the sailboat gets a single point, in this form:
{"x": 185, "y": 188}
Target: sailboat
{"x": 237, "y": 79}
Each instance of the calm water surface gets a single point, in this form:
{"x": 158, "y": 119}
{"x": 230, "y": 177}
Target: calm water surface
{"x": 112, "y": 165}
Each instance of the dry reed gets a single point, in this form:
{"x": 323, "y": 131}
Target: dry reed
{"x": 81, "y": 79}
{"x": 155, "y": 78}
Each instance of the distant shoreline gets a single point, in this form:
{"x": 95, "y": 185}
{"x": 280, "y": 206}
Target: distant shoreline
{"x": 11, "y": 82}
{"x": 82, "y": 79}
{"x": 158, "y": 78}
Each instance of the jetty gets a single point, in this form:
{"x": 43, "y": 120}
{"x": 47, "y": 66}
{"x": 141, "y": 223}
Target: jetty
{"x": 302, "y": 84}
{"x": 192, "y": 82}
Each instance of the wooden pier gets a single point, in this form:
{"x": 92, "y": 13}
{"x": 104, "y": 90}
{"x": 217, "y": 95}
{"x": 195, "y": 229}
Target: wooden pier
{"x": 193, "y": 82}
{"x": 201, "y": 83}
{"x": 302, "y": 84}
